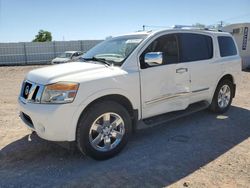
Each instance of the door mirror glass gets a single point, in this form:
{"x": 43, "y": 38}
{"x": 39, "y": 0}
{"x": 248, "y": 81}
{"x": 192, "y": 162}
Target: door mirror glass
{"x": 153, "y": 58}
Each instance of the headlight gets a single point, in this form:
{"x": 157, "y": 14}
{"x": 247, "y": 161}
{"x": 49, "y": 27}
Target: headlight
{"x": 60, "y": 92}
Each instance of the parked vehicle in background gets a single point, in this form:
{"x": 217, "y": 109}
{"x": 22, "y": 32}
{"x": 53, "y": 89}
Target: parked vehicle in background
{"x": 130, "y": 82}
{"x": 66, "y": 57}
{"x": 241, "y": 33}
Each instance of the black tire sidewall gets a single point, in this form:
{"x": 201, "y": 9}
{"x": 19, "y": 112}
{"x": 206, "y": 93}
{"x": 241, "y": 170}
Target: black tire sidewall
{"x": 89, "y": 117}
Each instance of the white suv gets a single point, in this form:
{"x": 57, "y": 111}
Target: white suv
{"x": 130, "y": 82}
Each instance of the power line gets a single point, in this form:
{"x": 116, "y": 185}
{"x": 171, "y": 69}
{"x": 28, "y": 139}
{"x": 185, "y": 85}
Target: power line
{"x": 233, "y": 18}
{"x": 221, "y": 23}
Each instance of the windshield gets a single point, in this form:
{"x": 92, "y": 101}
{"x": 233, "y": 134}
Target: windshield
{"x": 114, "y": 50}
{"x": 65, "y": 55}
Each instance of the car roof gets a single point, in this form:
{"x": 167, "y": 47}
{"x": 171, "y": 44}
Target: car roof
{"x": 179, "y": 30}
{"x": 202, "y": 31}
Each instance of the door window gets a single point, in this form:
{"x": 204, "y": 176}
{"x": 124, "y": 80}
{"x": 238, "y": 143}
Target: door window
{"x": 166, "y": 44}
{"x": 227, "y": 46}
{"x": 195, "y": 47}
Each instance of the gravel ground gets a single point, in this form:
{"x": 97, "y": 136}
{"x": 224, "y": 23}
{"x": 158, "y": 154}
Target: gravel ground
{"x": 201, "y": 150}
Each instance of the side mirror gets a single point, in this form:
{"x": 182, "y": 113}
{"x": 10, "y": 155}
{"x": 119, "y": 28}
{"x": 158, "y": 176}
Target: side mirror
{"x": 153, "y": 58}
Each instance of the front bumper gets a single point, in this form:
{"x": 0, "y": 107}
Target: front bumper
{"x": 51, "y": 122}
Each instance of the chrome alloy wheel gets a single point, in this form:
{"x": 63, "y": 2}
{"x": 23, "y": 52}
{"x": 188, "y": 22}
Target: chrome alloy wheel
{"x": 106, "y": 132}
{"x": 224, "y": 96}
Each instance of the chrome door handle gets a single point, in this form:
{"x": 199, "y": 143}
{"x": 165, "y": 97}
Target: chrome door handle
{"x": 181, "y": 70}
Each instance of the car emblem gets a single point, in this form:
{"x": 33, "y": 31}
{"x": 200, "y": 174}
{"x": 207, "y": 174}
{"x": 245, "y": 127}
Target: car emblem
{"x": 26, "y": 91}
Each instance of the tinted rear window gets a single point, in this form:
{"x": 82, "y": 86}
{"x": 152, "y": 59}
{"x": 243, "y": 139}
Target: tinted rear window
{"x": 195, "y": 47}
{"x": 227, "y": 46}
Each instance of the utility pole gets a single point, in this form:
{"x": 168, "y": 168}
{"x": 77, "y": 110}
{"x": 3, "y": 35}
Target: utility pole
{"x": 221, "y": 24}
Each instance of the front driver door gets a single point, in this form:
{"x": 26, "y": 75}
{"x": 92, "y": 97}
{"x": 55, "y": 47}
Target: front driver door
{"x": 165, "y": 87}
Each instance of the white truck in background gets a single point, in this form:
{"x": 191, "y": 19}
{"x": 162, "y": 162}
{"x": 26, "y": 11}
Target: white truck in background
{"x": 68, "y": 56}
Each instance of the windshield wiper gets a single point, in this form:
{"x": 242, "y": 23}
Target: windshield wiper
{"x": 101, "y": 60}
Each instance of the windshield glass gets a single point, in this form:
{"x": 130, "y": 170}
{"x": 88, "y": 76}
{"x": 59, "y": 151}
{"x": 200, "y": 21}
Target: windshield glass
{"x": 65, "y": 55}
{"x": 114, "y": 50}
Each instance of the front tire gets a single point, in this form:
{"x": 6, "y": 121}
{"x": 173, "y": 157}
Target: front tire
{"x": 223, "y": 96}
{"x": 103, "y": 130}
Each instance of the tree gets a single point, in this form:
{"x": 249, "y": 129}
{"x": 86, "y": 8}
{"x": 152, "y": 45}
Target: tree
{"x": 43, "y": 36}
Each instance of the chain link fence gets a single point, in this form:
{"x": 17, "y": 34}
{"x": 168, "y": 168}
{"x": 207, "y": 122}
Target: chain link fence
{"x": 27, "y": 53}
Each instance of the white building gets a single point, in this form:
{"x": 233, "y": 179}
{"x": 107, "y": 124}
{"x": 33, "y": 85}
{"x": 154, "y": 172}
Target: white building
{"x": 241, "y": 32}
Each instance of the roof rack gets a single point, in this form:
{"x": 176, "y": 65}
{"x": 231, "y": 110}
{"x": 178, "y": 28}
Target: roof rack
{"x": 194, "y": 27}
{"x": 185, "y": 26}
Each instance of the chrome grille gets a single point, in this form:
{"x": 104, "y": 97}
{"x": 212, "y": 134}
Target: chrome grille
{"x": 31, "y": 92}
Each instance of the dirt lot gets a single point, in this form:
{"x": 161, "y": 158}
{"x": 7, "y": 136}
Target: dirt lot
{"x": 201, "y": 150}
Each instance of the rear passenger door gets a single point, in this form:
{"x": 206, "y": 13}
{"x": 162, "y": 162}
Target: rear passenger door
{"x": 196, "y": 51}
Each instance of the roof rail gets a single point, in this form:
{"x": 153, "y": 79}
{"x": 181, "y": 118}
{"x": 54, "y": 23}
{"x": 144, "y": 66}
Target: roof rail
{"x": 184, "y": 26}
{"x": 194, "y": 27}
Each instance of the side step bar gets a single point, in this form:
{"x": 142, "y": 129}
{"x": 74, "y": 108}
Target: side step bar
{"x": 163, "y": 118}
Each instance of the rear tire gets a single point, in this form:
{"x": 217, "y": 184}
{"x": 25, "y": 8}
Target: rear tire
{"x": 223, "y": 96}
{"x": 103, "y": 130}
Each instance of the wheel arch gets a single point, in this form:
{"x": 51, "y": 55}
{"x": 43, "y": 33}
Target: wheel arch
{"x": 119, "y": 98}
{"x": 227, "y": 77}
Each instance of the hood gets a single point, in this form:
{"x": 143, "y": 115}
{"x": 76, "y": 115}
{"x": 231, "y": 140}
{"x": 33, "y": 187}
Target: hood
{"x": 66, "y": 72}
